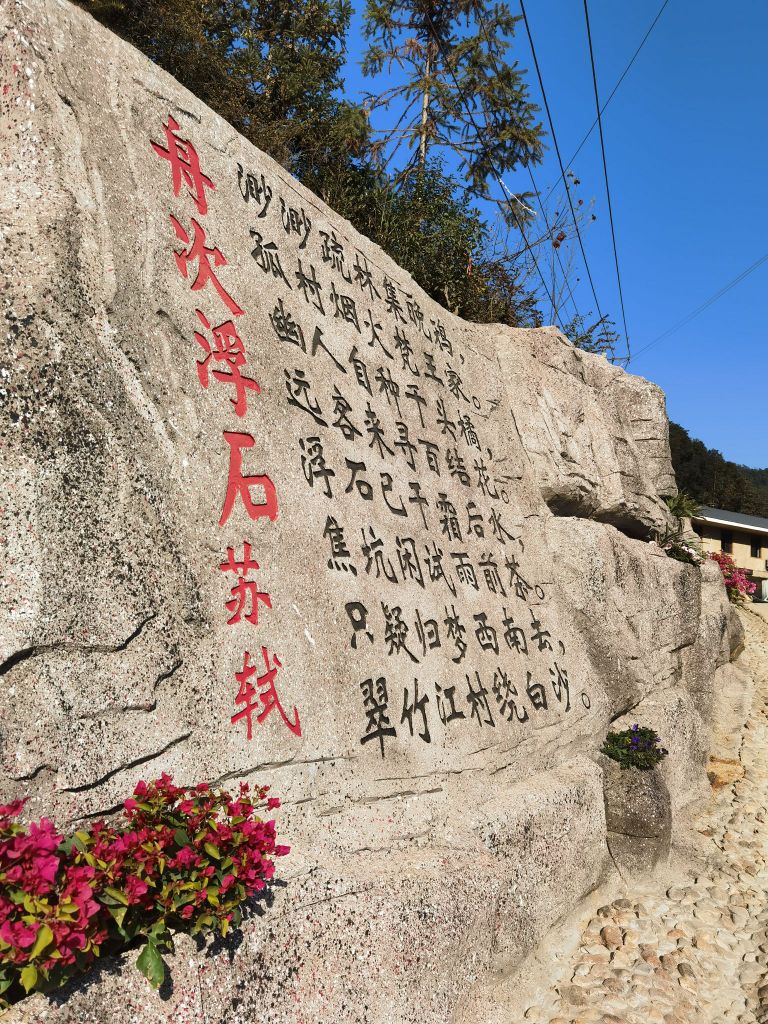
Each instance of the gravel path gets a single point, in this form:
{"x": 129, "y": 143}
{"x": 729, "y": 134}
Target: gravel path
{"x": 696, "y": 953}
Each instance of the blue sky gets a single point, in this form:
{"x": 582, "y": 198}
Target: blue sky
{"x": 687, "y": 147}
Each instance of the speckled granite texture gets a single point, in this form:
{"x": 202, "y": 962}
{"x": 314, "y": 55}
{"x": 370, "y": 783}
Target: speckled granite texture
{"x": 456, "y": 591}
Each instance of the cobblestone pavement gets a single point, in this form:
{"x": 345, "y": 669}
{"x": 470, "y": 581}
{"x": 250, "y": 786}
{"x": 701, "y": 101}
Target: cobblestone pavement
{"x": 697, "y": 952}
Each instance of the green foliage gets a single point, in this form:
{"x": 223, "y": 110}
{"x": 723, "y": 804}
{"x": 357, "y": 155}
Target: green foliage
{"x": 637, "y": 747}
{"x": 599, "y": 337}
{"x": 151, "y": 964}
{"x": 437, "y": 236}
{"x": 757, "y": 477}
{"x": 682, "y": 505}
{"x": 712, "y": 480}
{"x": 452, "y": 52}
{"x": 271, "y": 69}
{"x": 678, "y": 545}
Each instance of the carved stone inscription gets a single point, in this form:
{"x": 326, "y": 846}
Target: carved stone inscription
{"x": 395, "y": 447}
{"x": 223, "y": 359}
{"x": 397, "y": 439}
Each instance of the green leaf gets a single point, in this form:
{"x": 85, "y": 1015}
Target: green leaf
{"x": 116, "y": 895}
{"x": 28, "y": 977}
{"x": 81, "y": 841}
{"x": 118, "y": 913}
{"x": 181, "y": 837}
{"x": 212, "y": 851}
{"x": 159, "y": 934}
{"x": 6, "y": 978}
{"x": 29, "y": 903}
{"x": 151, "y": 965}
{"x": 44, "y": 938}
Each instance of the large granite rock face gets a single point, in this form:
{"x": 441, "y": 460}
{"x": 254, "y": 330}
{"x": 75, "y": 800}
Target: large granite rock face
{"x": 204, "y": 369}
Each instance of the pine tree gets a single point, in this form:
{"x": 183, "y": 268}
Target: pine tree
{"x": 273, "y": 70}
{"x": 460, "y": 92}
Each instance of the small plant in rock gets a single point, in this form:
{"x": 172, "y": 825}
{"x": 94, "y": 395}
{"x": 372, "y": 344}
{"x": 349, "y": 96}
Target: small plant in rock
{"x": 186, "y": 859}
{"x": 682, "y": 548}
{"x": 637, "y": 747}
{"x": 682, "y": 505}
{"x": 737, "y": 585}
{"x": 683, "y": 551}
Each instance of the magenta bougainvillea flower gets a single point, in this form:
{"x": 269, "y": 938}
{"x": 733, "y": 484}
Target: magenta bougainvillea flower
{"x": 737, "y": 585}
{"x": 183, "y": 859}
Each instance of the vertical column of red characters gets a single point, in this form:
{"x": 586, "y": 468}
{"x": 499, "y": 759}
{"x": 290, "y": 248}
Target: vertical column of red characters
{"x": 223, "y": 360}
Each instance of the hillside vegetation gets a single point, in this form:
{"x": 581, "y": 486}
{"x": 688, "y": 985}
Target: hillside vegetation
{"x": 274, "y": 70}
{"x": 712, "y": 480}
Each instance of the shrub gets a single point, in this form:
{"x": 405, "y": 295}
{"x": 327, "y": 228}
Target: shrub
{"x": 634, "y": 748}
{"x": 677, "y": 545}
{"x": 737, "y": 585}
{"x": 186, "y": 859}
{"x": 682, "y": 551}
{"x": 682, "y": 505}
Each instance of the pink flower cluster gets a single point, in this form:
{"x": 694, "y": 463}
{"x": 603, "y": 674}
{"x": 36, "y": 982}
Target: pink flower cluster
{"x": 29, "y": 858}
{"x": 187, "y": 858}
{"x": 47, "y": 904}
{"x": 737, "y": 585}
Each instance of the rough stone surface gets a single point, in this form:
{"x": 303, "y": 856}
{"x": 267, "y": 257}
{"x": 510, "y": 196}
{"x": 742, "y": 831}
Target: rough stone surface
{"x": 638, "y": 817}
{"x": 695, "y": 950}
{"x": 431, "y": 854}
{"x": 636, "y": 802}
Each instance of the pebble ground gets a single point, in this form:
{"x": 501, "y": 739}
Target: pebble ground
{"x": 696, "y": 952}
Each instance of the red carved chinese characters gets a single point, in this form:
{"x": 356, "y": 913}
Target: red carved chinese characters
{"x": 199, "y": 251}
{"x": 267, "y": 695}
{"x": 185, "y": 166}
{"x": 228, "y": 349}
{"x": 245, "y": 592}
{"x": 224, "y": 358}
{"x": 239, "y": 485}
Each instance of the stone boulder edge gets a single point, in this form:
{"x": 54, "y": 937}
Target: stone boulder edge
{"x": 414, "y": 877}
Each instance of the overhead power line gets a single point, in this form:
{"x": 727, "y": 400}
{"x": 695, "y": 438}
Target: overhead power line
{"x": 605, "y": 173}
{"x": 559, "y": 157}
{"x": 612, "y": 94}
{"x": 484, "y": 29}
{"x": 557, "y": 254}
{"x": 700, "y": 309}
{"x": 480, "y": 136}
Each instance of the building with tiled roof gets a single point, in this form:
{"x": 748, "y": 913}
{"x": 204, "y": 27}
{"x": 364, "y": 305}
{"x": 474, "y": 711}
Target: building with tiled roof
{"x": 743, "y": 537}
